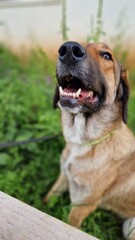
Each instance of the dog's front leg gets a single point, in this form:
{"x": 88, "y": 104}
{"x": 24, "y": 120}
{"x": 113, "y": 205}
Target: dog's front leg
{"x": 79, "y": 213}
{"x": 59, "y": 186}
{"x": 61, "y": 183}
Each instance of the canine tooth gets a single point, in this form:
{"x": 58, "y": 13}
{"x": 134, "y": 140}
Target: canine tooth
{"x": 78, "y": 92}
{"x": 74, "y": 95}
{"x": 60, "y": 90}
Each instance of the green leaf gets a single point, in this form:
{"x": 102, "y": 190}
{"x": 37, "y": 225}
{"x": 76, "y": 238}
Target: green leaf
{"x": 53, "y": 201}
{"x": 4, "y": 159}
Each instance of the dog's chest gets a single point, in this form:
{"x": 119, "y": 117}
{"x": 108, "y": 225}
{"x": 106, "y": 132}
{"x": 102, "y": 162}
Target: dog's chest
{"x": 71, "y": 160}
{"x": 78, "y": 161}
{"x": 71, "y": 166}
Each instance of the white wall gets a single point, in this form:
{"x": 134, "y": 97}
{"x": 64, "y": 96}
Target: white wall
{"x": 41, "y": 24}
{"x": 30, "y": 25}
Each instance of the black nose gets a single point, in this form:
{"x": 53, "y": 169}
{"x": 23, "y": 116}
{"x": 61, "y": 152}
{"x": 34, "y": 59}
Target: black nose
{"x": 71, "y": 51}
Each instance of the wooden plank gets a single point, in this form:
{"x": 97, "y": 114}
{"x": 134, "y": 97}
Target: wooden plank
{"x": 19, "y": 221}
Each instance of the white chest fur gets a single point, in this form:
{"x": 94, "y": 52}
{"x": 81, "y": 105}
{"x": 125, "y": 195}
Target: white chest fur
{"x": 74, "y": 130}
{"x": 78, "y": 191}
{"x": 77, "y": 134}
{"x": 74, "y": 127}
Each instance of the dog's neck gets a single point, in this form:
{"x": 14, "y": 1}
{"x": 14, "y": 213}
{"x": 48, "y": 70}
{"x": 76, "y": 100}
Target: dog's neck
{"x": 80, "y": 129}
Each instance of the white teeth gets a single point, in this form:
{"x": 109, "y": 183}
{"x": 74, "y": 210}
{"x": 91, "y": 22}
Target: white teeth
{"x": 73, "y": 95}
{"x": 78, "y": 92}
{"x": 90, "y": 94}
{"x": 61, "y": 91}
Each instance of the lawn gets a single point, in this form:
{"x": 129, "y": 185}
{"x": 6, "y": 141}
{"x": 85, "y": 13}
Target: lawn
{"x": 27, "y": 171}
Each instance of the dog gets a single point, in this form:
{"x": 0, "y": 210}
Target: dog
{"x": 98, "y": 162}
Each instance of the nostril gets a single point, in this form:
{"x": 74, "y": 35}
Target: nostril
{"x": 63, "y": 51}
{"x": 71, "y": 52}
{"x": 78, "y": 52}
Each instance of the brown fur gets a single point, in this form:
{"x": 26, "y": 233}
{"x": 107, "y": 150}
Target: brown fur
{"x": 103, "y": 174}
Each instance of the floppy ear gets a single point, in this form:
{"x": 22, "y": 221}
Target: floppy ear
{"x": 56, "y": 97}
{"x": 123, "y": 93}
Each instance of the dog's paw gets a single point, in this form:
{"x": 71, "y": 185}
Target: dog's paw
{"x": 46, "y": 199}
{"x": 50, "y": 196}
{"x": 74, "y": 219}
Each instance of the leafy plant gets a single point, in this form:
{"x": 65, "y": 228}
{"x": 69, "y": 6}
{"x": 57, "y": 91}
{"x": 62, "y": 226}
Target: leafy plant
{"x": 96, "y": 27}
{"x": 64, "y": 28}
{"x": 26, "y": 94}
{"x": 118, "y": 38}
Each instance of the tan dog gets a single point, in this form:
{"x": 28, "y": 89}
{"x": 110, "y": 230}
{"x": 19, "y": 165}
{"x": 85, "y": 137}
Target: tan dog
{"x": 98, "y": 162}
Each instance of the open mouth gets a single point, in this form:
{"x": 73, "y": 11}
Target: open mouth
{"x": 73, "y": 88}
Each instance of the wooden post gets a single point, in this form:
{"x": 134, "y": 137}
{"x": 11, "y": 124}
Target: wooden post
{"x": 19, "y": 221}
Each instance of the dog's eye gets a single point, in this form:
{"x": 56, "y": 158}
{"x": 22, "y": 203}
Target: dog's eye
{"x": 106, "y": 55}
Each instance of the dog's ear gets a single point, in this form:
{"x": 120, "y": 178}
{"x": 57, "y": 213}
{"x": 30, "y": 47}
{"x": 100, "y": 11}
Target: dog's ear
{"x": 123, "y": 93}
{"x": 56, "y": 97}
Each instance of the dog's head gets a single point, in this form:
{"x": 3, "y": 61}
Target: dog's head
{"x": 89, "y": 78}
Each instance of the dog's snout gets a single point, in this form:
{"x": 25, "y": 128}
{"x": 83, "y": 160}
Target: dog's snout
{"x": 71, "y": 51}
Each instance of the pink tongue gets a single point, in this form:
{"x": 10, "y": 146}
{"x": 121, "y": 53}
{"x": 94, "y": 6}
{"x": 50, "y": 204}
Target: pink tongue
{"x": 83, "y": 94}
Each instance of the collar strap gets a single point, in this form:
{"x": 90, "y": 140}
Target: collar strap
{"x": 100, "y": 140}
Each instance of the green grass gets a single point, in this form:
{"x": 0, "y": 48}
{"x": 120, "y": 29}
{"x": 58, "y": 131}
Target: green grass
{"x": 28, "y": 171}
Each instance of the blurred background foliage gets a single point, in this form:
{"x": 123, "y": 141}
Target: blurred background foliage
{"x": 28, "y": 171}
